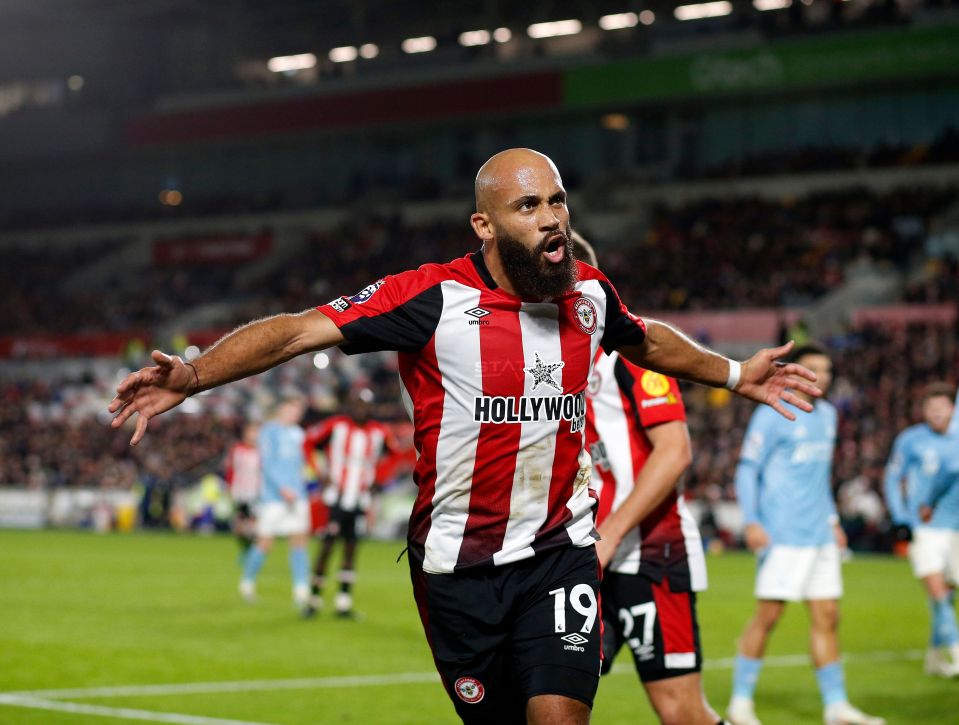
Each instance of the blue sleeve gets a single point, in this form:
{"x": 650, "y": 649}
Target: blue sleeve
{"x": 895, "y": 470}
{"x": 944, "y": 480}
{"x": 757, "y": 445}
{"x": 833, "y": 510}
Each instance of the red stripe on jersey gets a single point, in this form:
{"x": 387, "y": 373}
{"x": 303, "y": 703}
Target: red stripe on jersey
{"x": 501, "y": 350}
{"x": 421, "y": 377}
{"x": 675, "y": 619}
{"x": 576, "y": 347}
{"x": 662, "y": 533}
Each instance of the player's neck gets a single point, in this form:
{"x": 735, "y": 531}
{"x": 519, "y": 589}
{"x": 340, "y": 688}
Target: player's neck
{"x": 494, "y": 264}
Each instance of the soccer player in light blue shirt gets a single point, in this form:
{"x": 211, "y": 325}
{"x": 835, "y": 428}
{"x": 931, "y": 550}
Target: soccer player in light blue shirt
{"x": 283, "y": 508}
{"x": 925, "y": 511}
{"x": 784, "y": 486}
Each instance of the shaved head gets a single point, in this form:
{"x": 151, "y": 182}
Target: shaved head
{"x": 523, "y": 221}
{"x": 505, "y": 171}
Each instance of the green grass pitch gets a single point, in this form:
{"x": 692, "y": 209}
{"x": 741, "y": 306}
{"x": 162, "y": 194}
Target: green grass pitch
{"x": 81, "y": 611}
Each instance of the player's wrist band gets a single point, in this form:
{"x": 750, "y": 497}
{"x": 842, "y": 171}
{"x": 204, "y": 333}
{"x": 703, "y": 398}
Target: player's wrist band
{"x": 735, "y": 370}
{"x": 196, "y": 375}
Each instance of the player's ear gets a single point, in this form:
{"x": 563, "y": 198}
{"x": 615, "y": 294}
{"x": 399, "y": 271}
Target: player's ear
{"x": 483, "y": 226}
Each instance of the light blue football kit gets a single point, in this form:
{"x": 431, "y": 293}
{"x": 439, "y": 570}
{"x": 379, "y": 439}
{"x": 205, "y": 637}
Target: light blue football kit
{"x": 784, "y": 483}
{"x": 282, "y": 460}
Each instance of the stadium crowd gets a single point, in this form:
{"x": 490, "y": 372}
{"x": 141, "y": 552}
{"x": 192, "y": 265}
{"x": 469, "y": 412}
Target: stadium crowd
{"x": 706, "y": 255}
{"x": 54, "y": 434}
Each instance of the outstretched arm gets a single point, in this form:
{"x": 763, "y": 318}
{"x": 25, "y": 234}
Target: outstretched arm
{"x": 246, "y": 351}
{"x": 762, "y": 378}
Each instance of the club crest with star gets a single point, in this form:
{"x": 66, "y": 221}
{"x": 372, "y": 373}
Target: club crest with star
{"x": 543, "y": 373}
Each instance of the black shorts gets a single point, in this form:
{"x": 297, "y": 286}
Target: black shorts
{"x": 501, "y": 635}
{"x": 342, "y": 522}
{"x": 658, "y": 624}
{"x": 244, "y": 512}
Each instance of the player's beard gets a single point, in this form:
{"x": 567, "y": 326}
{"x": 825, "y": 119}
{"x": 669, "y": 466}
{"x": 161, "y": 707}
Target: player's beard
{"x": 530, "y": 273}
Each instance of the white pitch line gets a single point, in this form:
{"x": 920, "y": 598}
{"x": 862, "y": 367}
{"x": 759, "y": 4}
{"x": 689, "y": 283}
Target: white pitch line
{"x": 124, "y": 713}
{"x": 397, "y": 678}
{"x": 192, "y": 688}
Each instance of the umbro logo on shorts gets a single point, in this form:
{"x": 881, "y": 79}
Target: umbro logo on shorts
{"x": 478, "y": 313}
{"x": 575, "y": 640}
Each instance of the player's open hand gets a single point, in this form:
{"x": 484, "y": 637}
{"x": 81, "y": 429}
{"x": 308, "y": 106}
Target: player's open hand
{"x": 151, "y": 391}
{"x": 766, "y": 380}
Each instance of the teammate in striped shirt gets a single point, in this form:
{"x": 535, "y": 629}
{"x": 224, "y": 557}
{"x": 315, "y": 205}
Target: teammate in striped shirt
{"x": 650, "y": 550}
{"x": 354, "y": 444}
{"x": 495, "y": 350}
{"x": 920, "y": 459}
{"x": 244, "y": 479}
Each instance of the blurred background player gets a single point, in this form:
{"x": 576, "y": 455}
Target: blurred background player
{"x": 354, "y": 445}
{"x": 783, "y": 483}
{"x": 650, "y": 549}
{"x": 243, "y": 475}
{"x": 283, "y": 509}
{"x": 919, "y": 459}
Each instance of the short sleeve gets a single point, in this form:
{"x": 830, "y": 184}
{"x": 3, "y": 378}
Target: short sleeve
{"x": 657, "y": 396}
{"x": 623, "y": 328}
{"x": 399, "y": 312}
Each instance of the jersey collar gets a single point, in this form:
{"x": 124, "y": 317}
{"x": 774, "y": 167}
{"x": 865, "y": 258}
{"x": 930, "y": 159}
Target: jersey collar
{"x": 482, "y": 270}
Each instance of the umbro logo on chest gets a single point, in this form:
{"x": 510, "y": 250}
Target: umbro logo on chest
{"x": 478, "y": 316}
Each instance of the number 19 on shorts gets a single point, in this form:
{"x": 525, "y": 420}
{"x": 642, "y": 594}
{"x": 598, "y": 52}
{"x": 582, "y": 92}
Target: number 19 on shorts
{"x": 582, "y": 599}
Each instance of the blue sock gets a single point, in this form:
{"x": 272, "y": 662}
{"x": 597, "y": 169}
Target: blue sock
{"x": 944, "y": 628}
{"x": 254, "y": 560}
{"x": 745, "y": 675}
{"x": 832, "y": 683}
{"x": 299, "y": 567}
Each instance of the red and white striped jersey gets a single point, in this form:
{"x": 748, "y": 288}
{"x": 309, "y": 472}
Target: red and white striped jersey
{"x": 624, "y": 400}
{"x": 243, "y": 472}
{"x": 352, "y": 451}
{"x": 496, "y": 388}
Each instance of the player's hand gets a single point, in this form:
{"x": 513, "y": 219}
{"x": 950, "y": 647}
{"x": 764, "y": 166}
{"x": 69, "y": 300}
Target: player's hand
{"x": 766, "y": 380}
{"x": 756, "y": 537}
{"x": 925, "y": 513}
{"x": 288, "y": 496}
{"x": 842, "y": 541}
{"x": 605, "y": 549}
{"x": 901, "y": 532}
{"x": 151, "y": 391}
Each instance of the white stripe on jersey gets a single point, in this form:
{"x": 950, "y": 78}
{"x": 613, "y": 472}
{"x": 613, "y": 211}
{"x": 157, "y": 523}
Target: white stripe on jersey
{"x": 458, "y": 357}
{"x": 537, "y": 444}
{"x": 695, "y": 556}
{"x": 613, "y": 430}
{"x": 335, "y": 451}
